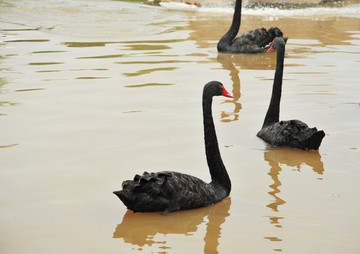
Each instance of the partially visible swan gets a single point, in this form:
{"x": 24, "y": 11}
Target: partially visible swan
{"x": 292, "y": 133}
{"x": 169, "y": 191}
{"x": 254, "y": 41}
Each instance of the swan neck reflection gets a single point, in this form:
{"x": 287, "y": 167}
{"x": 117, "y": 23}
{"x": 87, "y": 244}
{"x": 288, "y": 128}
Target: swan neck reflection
{"x": 140, "y": 229}
{"x": 227, "y": 62}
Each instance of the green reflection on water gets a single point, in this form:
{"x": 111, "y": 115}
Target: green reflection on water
{"x": 37, "y": 40}
{"x": 8, "y": 146}
{"x": 45, "y": 63}
{"x": 153, "y": 62}
{"x": 147, "y": 71}
{"x": 147, "y": 47}
{"x": 85, "y": 44}
{"x": 131, "y": 44}
{"x": 99, "y": 57}
{"x": 92, "y": 77}
{"x": 149, "y": 84}
{"x": 49, "y": 51}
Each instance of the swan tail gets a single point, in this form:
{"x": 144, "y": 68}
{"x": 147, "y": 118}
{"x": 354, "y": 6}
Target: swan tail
{"x": 314, "y": 141}
{"x": 258, "y": 40}
{"x": 275, "y": 32}
{"x": 306, "y": 138}
{"x": 125, "y": 198}
{"x": 148, "y": 192}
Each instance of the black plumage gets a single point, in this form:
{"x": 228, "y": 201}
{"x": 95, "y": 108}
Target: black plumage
{"x": 172, "y": 191}
{"x": 292, "y": 133}
{"x": 254, "y": 41}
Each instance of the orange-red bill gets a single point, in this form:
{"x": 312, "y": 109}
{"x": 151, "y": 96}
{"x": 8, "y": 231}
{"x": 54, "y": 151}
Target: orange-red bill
{"x": 271, "y": 49}
{"x": 226, "y": 93}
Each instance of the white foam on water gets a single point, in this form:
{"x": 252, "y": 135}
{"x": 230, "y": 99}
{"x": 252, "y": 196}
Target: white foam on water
{"x": 350, "y": 10}
{"x": 306, "y": 12}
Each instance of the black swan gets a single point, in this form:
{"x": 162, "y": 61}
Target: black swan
{"x": 169, "y": 191}
{"x": 253, "y": 41}
{"x": 292, "y": 133}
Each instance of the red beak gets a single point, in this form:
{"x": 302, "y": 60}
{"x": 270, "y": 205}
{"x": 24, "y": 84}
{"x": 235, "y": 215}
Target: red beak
{"x": 271, "y": 49}
{"x": 226, "y": 93}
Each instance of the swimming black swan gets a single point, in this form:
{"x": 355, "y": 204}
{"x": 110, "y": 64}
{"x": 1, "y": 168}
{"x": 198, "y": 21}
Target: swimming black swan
{"x": 254, "y": 41}
{"x": 292, "y": 133}
{"x": 169, "y": 191}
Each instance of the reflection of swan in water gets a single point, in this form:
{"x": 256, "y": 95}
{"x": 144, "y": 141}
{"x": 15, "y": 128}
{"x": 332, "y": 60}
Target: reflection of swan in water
{"x": 292, "y": 158}
{"x": 140, "y": 228}
{"x": 296, "y": 158}
{"x": 227, "y": 63}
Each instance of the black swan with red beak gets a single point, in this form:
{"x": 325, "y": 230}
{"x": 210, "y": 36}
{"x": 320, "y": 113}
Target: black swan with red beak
{"x": 169, "y": 191}
{"x": 292, "y": 133}
{"x": 254, "y": 41}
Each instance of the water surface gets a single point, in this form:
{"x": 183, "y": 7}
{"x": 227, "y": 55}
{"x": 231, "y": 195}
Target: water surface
{"x": 94, "y": 91}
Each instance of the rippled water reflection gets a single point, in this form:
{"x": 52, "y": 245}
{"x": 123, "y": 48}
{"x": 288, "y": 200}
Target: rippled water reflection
{"x": 141, "y": 229}
{"x": 93, "y": 92}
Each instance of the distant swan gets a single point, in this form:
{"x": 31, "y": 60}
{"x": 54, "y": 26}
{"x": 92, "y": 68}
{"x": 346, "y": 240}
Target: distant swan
{"x": 292, "y": 133}
{"x": 169, "y": 191}
{"x": 254, "y": 41}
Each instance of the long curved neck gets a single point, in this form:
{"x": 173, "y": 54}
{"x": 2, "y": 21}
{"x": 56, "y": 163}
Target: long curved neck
{"x": 216, "y": 166}
{"x": 272, "y": 115}
{"x": 235, "y": 25}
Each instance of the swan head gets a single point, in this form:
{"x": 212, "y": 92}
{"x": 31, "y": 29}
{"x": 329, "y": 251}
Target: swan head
{"x": 277, "y": 43}
{"x": 216, "y": 88}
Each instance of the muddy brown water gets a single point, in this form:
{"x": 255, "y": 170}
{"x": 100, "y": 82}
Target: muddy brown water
{"x": 93, "y": 92}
